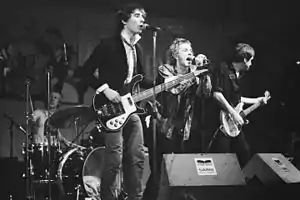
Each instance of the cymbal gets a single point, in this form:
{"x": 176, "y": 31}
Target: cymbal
{"x": 67, "y": 103}
{"x": 64, "y": 118}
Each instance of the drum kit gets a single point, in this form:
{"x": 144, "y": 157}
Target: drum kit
{"x": 70, "y": 169}
{"x": 74, "y": 170}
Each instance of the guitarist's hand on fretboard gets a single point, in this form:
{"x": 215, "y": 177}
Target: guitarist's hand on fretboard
{"x": 264, "y": 100}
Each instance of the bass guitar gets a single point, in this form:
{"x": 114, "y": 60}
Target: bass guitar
{"x": 113, "y": 116}
{"x": 229, "y": 126}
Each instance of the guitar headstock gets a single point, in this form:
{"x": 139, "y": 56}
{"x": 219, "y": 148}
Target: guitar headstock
{"x": 267, "y": 96}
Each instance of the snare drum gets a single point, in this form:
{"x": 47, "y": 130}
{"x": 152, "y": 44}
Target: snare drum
{"x": 81, "y": 171}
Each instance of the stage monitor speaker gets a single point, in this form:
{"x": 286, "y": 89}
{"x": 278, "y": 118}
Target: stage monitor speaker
{"x": 201, "y": 176}
{"x": 271, "y": 169}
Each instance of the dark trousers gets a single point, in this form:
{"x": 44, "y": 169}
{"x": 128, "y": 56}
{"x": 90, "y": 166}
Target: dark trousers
{"x": 124, "y": 149}
{"x": 221, "y": 143}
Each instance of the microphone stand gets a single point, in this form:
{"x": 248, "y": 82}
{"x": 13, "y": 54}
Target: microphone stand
{"x": 12, "y": 122}
{"x": 11, "y": 133}
{"x": 154, "y": 107}
{"x": 27, "y": 162}
{"x": 49, "y": 135}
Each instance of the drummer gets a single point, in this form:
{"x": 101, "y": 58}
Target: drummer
{"x": 40, "y": 117}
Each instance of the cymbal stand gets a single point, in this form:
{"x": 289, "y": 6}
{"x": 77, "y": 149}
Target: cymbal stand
{"x": 78, "y": 134}
{"x": 27, "y": 161}
{"x": 76, "y": 125}
{"x": 78, "y": 188}
{"x": 49, "y": 135}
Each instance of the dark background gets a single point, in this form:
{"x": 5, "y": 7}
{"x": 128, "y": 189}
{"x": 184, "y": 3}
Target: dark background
{"x": 271, "y": 27}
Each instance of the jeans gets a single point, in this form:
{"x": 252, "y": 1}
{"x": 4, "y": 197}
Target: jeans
{"x": 225, "y": 144}
{"x": 125, "y": 147}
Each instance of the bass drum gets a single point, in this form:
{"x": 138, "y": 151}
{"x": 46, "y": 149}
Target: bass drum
{"x": 80, "y": 171}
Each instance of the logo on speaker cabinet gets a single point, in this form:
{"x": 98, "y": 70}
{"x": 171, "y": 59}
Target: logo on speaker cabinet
{"x": 283, "y": 168}
{"x": 205, "y": 166}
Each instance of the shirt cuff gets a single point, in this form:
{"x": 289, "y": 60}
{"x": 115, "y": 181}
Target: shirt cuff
{"x": 101, "y": 88}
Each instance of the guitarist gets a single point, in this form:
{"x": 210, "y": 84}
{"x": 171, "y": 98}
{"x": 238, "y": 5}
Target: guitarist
{"x": 175, "y": 109}
{"x": 117, "y": 59}
{"x": 226, "y": 92}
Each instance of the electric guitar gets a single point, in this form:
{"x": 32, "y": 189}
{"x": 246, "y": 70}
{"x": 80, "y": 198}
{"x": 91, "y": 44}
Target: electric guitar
{"x": 229, "y": 126}
{"x": 113, "y": 116}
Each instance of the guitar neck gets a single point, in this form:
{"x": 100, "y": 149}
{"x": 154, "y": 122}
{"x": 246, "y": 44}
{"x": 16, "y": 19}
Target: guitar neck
{"x": 162, "y": 87}
{"x": 251, "y": 108}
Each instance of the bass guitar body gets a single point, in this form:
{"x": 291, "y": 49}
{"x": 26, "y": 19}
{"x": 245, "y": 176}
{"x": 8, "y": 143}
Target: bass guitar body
{"x": 113, "y": 116}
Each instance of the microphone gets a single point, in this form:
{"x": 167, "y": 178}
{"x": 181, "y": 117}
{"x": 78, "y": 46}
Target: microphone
{"x": 206, "y": 61}
{"x": 150, "y": 27}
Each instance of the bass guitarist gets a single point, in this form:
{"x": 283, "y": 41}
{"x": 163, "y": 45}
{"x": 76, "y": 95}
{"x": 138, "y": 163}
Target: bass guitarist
{"x": 118, "y": 59}
{"x": 226, "y": 92}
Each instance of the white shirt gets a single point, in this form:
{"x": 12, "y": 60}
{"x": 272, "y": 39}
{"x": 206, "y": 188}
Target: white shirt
{"x": 129, "y": 45}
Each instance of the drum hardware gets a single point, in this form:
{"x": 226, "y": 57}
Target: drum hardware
{"x": 48, "y": 133}
{"x": 76, "y": 120}
{"x": 66, "y": 62}
{"x": 95, "y": 138}
{"x": 78, "y": 134}
{"x": 39, "y": 164}
{"x": 77, "y": 188}
{"x": 28, "y": 171}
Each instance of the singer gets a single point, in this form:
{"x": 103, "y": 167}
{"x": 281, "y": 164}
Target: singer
{"x": 118, "y": 58}
{"x": 176, "y": 110}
